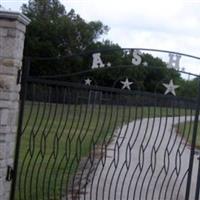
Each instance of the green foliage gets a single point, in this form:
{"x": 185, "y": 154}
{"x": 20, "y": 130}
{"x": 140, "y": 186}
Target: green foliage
{"x": 186, "y": 130}
{"x": 157, "y": 72}
{"x": 189, "y": 88}
{"x": 46, "y": 9}
{"x": 53, "y": 32}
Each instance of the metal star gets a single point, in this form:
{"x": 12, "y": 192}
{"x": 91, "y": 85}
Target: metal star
{"x": 170, "y": 88}
{"x": 145, "y": 64}
{"x": 126, "y": 84}
{"x": 88, "y": 81}
{"x": 108, "y": 64}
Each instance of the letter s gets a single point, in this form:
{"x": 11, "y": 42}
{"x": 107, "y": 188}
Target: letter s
{"x": 136, "y": 57}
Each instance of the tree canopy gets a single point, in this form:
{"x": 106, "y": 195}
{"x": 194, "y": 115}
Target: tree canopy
{"x": 54, "y": 32}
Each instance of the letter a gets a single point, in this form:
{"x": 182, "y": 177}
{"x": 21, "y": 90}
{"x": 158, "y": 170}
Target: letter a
{"x": 174, "y": 61}
{"x": 97, "y": 62}
{"x": 136, "y": 57}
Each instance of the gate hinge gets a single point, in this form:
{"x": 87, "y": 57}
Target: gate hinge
{"x": 19, "y": 74}
{"x": 10, "y": 173}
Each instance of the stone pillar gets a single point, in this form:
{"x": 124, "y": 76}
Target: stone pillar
{"x": 12, "y": 34}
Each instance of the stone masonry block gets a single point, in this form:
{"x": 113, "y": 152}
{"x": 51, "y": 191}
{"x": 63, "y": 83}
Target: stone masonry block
{"x": 10, "y": 146}
{"x": 4, "y": 117}
{"x": 2, "y": 172}
{"x": 10, "y": 138}
{"x": 12, "y": 24}
{"x": 15, "y": 88}
{"x": 8, "y": 32}
{"x": 12, "y": 46}
{"x": 5, "y": 129}
{"x": 14, "y": 105}
{"x": 14, "y": 129}
{"x": 8, "y": 70}
{"x": 2, "y": 137}
{"x": 1, "y": 184}
{"x": 11, "y": 33}
{"x": 9, "y": 48}
{"x": 9, "y": 96}
{"x": 2, "y": 151}
{"x": 2, "y": 196}
{"x": 12, "y": 117}
{"x": 10, "y": 62}
{"x": 8, "y": 129}
{"x": 5, "y": 104}
{"x": 7, "y": 82}
{"x": 15, "y": 96}
{"x": 3, "y": 164}
{"x": 3, "y": 32}
{"x": 5, "y": 95}
{"x": 7, "y": 190}
{"x": 9, "y": 162}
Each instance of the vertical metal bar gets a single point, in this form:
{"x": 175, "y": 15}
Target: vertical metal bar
{"x": 198, "y": 182}
{"x": 25, "y": 74}
{"x": 193, "y": 145}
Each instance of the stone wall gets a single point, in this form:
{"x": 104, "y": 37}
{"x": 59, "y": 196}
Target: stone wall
{"x": 12, "y": 34}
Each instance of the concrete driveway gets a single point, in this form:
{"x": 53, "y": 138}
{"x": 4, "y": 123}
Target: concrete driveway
{"x": 146, "y": 160}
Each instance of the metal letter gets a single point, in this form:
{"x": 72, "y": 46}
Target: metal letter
{"x": 97, "y": 62}
{"x": 174, "y": 61}
{"x": 136, "y": 57}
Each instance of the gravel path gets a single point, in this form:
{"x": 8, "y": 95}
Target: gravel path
{"x": 146, "y": 160}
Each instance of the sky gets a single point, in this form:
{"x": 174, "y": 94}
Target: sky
{"x": 158, "y": 24}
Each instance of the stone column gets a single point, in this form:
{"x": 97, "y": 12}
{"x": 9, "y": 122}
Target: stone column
{"x": 12, "y": 34}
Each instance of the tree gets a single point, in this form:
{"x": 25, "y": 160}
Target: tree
{"x": 48, "y": 9}
{"x": 53, "y": 32}
{"x": 189, "y": 88}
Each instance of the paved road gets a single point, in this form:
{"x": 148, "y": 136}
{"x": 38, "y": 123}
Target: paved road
{"x": 146, "y": 160}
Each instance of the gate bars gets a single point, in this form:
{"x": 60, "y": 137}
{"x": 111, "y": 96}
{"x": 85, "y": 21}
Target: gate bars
{"x": 90, "y": 142}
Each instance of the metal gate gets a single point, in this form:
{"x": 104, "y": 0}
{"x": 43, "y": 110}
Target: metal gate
{"x": 86, "y": 136}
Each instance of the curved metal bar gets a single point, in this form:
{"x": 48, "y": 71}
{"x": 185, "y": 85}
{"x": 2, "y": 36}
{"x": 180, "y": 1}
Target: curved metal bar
{"x": 109, "y": 50}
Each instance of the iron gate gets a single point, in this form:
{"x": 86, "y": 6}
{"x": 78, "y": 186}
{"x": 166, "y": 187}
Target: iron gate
{"x": 87, "y": 141}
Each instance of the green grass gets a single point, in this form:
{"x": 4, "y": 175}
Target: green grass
{"x": 56, "y": 137}
{"x": 186, "y": 131}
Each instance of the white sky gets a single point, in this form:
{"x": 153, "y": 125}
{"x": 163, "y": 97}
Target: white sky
{"x": 163, "y": 24}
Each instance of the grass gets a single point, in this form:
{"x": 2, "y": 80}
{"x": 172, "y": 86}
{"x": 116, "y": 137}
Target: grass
{"x": 186, "y": 130}
{"x": 56, "y": 137}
